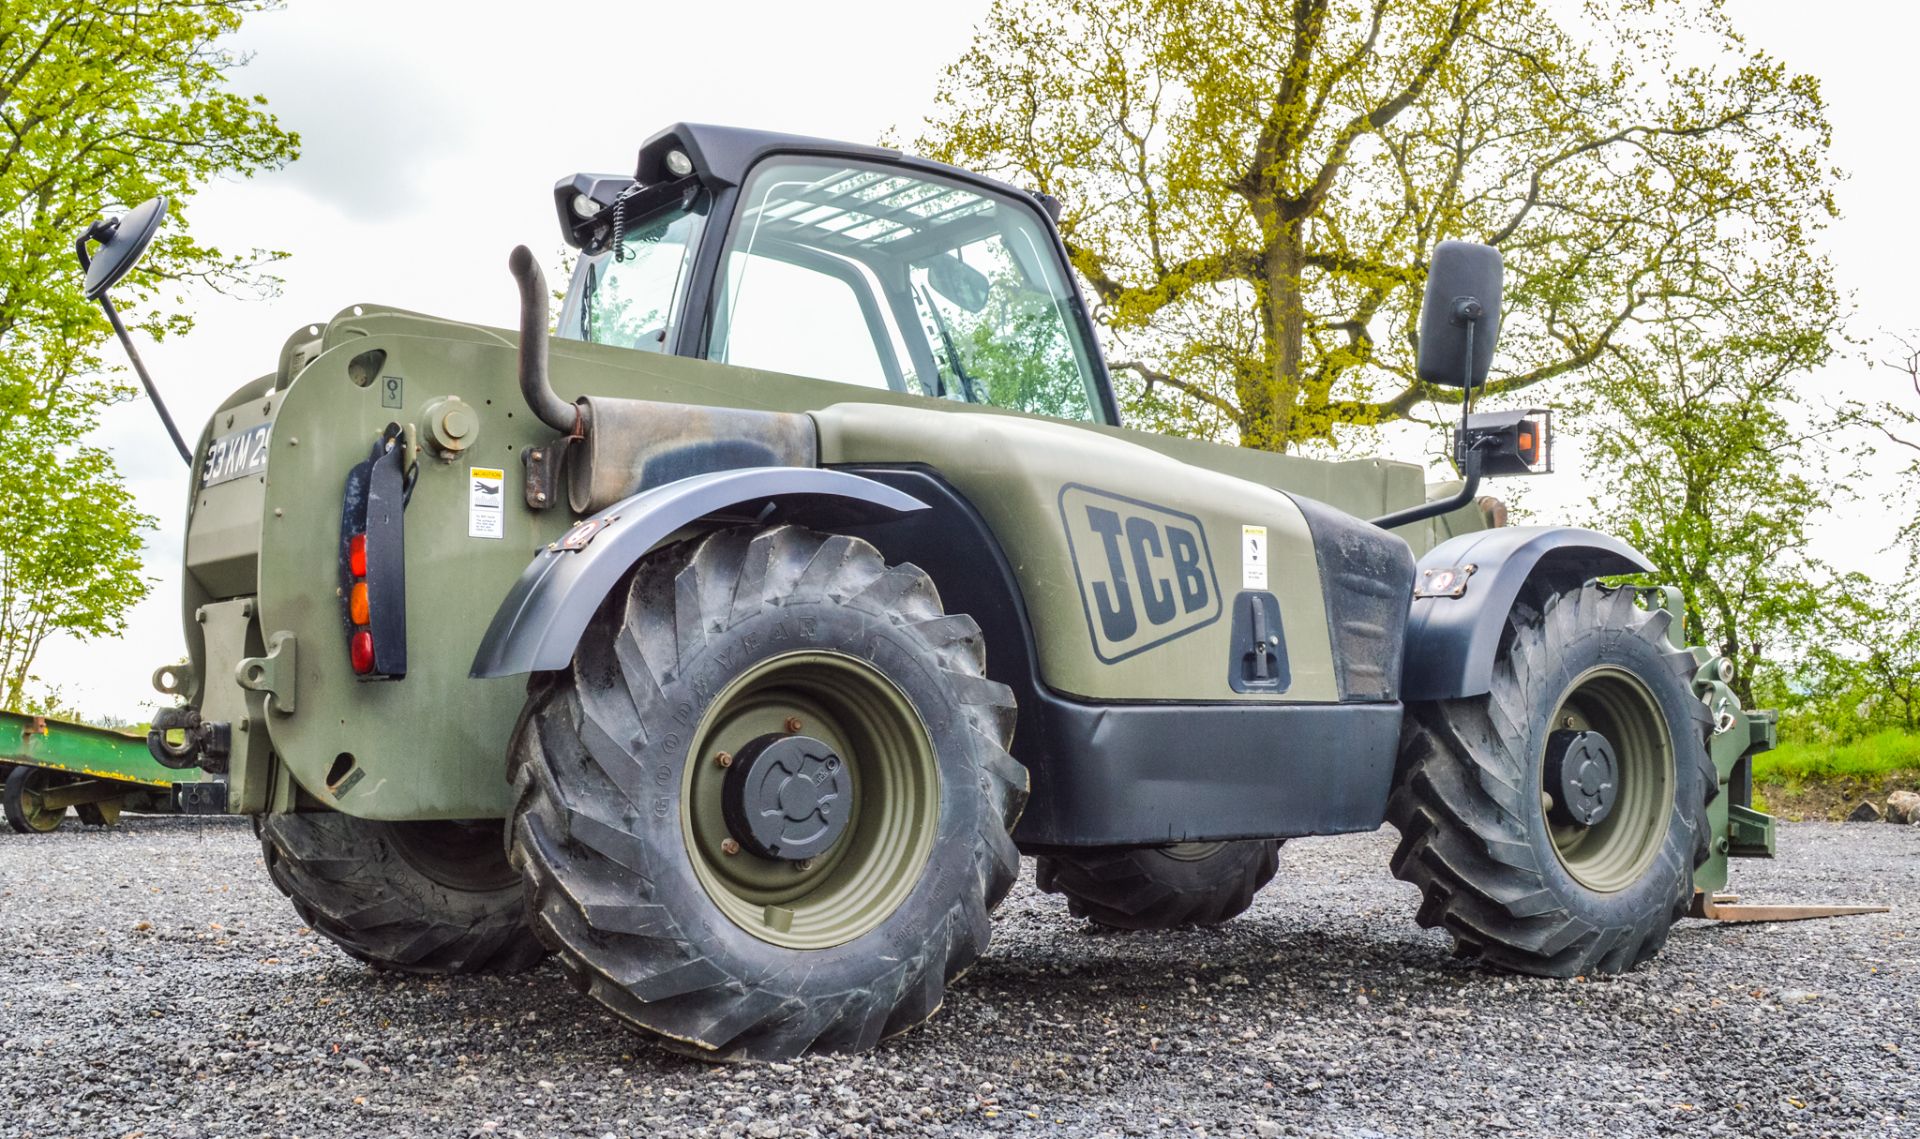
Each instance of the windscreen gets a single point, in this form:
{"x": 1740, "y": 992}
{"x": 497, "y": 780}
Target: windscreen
{"x": 879, "y": 278}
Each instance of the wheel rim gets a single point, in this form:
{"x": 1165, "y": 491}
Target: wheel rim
{"x": 461, "y": 854}
{"x": 852, "y": 886}
{"x": 1613, "y": 853}
{"x": 1192, "y": 851}
{"x": 33, "y": 809}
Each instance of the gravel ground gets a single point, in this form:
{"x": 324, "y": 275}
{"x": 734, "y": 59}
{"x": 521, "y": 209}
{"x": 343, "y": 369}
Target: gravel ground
{"x": 155, "y": 984}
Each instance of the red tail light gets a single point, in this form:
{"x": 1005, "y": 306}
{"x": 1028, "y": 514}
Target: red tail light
{"x": 373, "y": 552}
{"x": 360, "y": 647}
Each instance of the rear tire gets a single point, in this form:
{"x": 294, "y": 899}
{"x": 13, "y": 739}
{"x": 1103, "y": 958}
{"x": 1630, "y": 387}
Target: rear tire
{"x": 1161, "y": 887}
{"x": 1518, "y": 887}
{"x": 22, "y": 801}
{"x": 425, "y": 897}
{"x": 645, "y": 880}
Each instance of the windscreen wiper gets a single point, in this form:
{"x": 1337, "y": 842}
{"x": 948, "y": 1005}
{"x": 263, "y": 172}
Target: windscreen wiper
{"x": 968, "y": 390}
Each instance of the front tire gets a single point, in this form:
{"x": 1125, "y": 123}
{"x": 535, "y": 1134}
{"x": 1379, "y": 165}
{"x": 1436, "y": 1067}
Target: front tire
{"x": 1501, "y": 862}
{"x": 1161, "y": 887}
{"x": 651, "y": 874}
{"x": 414, "y": 897}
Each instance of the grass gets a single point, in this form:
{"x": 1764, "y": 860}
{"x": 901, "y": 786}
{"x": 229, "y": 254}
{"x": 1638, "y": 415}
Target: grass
{"x": 1887, "y": 753}
{"x": 1813, "y": 781}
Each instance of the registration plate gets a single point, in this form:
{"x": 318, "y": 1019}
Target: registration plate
{"x": 236, "y": 455}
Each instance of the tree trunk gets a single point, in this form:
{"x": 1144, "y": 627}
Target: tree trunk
{"x": 1270, "y": 396}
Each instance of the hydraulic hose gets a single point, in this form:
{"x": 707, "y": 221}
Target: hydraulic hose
{"x": 536, "y": 386}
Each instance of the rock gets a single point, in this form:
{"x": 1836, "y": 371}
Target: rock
{"x": 1903, "y": 807}
{"x": 1266, "y": 1129}
{"x": 1866, "y": 812}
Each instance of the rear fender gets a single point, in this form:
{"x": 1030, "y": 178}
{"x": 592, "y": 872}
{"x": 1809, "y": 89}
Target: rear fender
{"x": 546, "y": 611}
{"x": 1456, "y": 622}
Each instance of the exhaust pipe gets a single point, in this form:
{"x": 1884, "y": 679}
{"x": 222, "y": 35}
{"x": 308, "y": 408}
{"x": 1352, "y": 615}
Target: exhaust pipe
{"x": 535, "y": 384}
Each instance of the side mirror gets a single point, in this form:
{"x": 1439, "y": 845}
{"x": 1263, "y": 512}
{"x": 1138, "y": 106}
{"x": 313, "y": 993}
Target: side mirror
{"x": 122, "y": 241}
{"x": 959, "y": 282}
{"x": 1460, "y": 315}
{"x": 1509, "y": 442}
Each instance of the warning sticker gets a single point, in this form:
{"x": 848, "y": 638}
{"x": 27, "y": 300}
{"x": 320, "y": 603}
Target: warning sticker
{"x": 1253, "y": 557}
{"x": 486, "y": 507}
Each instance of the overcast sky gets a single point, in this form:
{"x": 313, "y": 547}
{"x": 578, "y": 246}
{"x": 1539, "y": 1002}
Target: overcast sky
{"x": 432, "y": 143}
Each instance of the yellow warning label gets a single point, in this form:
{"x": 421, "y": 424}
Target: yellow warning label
{"x": 486, "y": 503}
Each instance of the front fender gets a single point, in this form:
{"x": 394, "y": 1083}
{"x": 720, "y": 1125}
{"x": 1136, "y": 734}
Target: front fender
{"x": 1451, "y": 640}
{"x": 543, "y": 615}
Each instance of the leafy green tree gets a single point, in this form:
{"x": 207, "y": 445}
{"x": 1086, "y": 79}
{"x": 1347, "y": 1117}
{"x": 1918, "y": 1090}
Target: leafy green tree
{"x": 103, "y": 103}
{"x": 1706, "y": 457}
{"x": 1894, "y": 425}
{"x": 1252, "y": 189}
{"x": 70, "y": 560}
{"x": 1858, "y": 672}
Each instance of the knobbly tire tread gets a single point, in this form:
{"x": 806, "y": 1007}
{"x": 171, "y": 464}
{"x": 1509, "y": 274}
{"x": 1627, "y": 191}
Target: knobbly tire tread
{"x": 350, "y": 884}
{"x": 1462, "y": 806}
{"x": 1141, "y": 888}
{"x": 604, "y": 896}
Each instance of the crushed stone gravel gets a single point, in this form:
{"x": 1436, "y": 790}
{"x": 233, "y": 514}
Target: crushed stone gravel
{"x": 153, "y": 983}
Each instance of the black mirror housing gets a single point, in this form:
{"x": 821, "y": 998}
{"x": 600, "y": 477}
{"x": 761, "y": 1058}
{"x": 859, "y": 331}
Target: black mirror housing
{"x": 1460, "y": 314}
{"x": 121, "y": 244}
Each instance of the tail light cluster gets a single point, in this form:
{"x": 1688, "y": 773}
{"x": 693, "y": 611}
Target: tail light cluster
{"x": 373, "y": 564}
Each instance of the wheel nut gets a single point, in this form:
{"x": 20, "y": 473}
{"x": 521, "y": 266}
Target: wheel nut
{"x": 804, "y": 864}
{"x": 794, "y": 724}
{"x": 1567, "y": 723}
{"x": 724, "y": 759}
{"x": 729, "y": 847}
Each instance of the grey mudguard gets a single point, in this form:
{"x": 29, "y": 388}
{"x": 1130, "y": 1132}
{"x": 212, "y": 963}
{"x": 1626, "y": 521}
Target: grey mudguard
{"x": 1451, "y": 640}
{"x": 540, "y": 622}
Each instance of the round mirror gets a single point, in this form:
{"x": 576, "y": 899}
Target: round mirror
{"x": 122, "y": 248}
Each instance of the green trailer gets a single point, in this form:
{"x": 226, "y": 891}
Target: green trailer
{"x": 51, "y": 765}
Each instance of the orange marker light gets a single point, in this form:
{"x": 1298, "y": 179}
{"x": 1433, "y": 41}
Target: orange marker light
{"x": 357, "y": 603}
{"x": 357, "y": 555}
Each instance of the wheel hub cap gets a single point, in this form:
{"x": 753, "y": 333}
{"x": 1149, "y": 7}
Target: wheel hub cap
{"x": 787, "y": 797}
{"x": 1583, "y": 777}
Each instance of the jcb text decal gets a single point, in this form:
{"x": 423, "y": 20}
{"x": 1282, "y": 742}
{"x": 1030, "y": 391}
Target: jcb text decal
{"x": 1145, "y": 573}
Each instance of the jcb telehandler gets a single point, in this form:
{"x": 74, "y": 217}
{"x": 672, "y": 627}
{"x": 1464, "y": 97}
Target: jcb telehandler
{"x": 734, "y": 641}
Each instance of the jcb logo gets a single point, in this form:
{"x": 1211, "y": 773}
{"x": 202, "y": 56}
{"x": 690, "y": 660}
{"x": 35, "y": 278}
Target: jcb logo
{"x": 1145, "y": 573}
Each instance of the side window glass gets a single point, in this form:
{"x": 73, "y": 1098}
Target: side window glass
{"x": 630, "y": 295}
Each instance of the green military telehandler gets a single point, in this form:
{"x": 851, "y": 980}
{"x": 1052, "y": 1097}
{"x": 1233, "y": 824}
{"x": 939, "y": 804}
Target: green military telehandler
{"x": 733, "y": 642}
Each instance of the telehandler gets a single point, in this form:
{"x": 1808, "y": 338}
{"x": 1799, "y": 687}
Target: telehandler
{"x": 733, "y": 640}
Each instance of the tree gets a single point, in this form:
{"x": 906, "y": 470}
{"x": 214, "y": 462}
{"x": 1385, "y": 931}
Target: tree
{"x": 70, "y": 560}
{"x": 103, "y": 103}
{"x": 1897, "y": 427}
{"x": 1711, "y": 463}
{"x": 1251, "y": 190}
{"x": 1858, "y": 672}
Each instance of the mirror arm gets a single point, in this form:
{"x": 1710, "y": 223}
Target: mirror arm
{"x": 146, "y": 381}
{"x": 100, "y": 231}
{"x": 1467, "y": 311}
